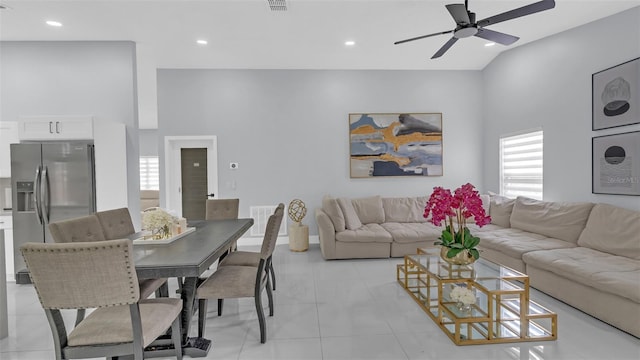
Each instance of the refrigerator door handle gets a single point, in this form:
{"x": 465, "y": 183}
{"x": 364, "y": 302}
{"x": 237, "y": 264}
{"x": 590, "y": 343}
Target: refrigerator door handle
{"x": 46, "y": 197}
{"x": 37, "y": 194}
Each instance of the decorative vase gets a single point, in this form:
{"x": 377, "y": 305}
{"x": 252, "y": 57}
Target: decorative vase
{"x": 462, "y": 258}
{"x": 161, "y": 233}
{"x": 463, "y": 307}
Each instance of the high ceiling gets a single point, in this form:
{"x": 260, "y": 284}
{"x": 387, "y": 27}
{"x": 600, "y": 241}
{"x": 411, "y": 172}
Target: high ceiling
{"x": 310, "y": 34}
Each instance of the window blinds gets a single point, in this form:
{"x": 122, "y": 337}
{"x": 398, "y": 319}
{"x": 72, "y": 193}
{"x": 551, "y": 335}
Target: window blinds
{"x": 521, "y": 165}
{"x": 149, "y": 173}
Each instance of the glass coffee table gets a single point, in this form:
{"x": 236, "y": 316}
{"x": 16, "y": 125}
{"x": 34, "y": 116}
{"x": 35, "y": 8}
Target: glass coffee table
{"x": 502, "y": 313}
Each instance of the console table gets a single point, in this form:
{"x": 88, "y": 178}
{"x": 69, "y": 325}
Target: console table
{"x": 503, "y": 311}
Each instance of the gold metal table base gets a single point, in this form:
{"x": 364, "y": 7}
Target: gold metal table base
{"x": 497, "y": 316}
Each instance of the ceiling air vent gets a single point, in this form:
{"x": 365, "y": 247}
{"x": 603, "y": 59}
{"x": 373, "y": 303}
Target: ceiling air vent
{"x": 278, "y": 5}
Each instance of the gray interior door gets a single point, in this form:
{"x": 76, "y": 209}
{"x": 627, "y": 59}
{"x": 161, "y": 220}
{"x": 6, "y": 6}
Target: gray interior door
{"x": 194, "y": 182}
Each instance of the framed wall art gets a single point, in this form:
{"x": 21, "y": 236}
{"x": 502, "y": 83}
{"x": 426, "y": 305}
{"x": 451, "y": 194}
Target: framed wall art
{"x": 616, "y": 96}
{"x": 395, "y": 144}
{"x": 616, "y": 164}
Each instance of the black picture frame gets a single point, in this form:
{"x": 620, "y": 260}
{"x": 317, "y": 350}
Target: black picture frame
{"x": 616, "y": 164}
{"x": 615, "y": 96}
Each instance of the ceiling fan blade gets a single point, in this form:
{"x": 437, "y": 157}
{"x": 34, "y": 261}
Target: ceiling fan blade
{"x": 519, "y": 12}
{"x": 495, "y": 36}
{"x": 445, "y": 47}
{"x": 422, "y": 37}
{"x": 459, "y": 13}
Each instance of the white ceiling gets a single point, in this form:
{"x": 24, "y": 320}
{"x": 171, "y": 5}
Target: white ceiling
{"x": 246, "y": 34}
{"x": 310, "y": 35}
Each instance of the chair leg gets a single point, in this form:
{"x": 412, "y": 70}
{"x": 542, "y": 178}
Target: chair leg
{"x": 273, "y": 275}
{"x": 263, "y": 326}
{"x": 163, "y": 290}
{"x": 176, "y": 337}
{"x": 202, "y": 316}
{"x": 220, "y": 303}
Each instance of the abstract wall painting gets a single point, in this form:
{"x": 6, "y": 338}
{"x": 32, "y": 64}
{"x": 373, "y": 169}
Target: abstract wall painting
{"x": 616, "y": 96}
{"x": 616, "y": 164}
{"x": 396, "y": 144}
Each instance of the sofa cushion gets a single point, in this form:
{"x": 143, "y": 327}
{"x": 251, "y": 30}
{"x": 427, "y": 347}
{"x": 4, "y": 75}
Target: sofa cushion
{"x": 366, "y": 233}
{"x": 413, "y": 232}
{"x": 559, "y": 220}
{"x": 516, "y": 242}
{"x": 332, "y": 209}
{"x": 369, "y": 209}
{"x": 351, "y": 219}
{"x": 404, "y": 209}
{"x": 613, "y": 230}
{"x": 609, "y": 273}
{"x": 500, "y": 210}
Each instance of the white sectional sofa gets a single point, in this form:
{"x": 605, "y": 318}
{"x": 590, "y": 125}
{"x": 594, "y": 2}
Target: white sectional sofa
{"x": 585, "y": 254}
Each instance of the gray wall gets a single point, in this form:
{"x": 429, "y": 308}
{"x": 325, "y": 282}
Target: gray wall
{"x": 148, "y": 142}
{"x": 288, "y": 129}
{"x": 547, "y": 84}
{"x": 74, "y": 78}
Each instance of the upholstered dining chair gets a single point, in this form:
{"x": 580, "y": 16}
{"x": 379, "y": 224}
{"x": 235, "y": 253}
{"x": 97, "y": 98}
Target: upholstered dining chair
{"x": 87, "y": 229}
{"x": 218, "y": 209}
{"x": 102, "y": 276}
{"x": 117, "y": 224}
{"x": 243, "y": 281}
{"x": 222, "y": 209}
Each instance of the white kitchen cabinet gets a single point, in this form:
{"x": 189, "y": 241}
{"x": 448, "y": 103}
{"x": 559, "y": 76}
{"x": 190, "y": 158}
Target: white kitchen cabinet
{"x": 7, "y": 225}
{"x": 8, "y": 135}
{"x": 56, "y": 128}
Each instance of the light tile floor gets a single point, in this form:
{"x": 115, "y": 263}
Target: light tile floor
{"x": 348, "y": 309}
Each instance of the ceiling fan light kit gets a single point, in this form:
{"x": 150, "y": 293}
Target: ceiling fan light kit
{"x": 466, "y": 25}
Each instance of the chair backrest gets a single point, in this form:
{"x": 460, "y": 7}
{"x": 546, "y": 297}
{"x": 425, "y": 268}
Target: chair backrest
{"x": 116, "y": 223}
{"x": 271, "y": 232}
{"x": 222, "y": 209}
{"x": 149, "y": 198}
{"x": 82, "y": 275}
{"x": 81, "y": 229}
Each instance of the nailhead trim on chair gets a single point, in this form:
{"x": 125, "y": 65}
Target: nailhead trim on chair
{"x": 132, "y": 285}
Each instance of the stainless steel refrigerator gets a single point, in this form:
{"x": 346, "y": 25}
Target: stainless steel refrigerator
{"x": 50, "y": 181}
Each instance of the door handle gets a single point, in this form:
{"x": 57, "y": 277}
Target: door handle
{"x": 211, "y": 195}
{"x": 57, "y": 127}
{"x": 46, "y": 196}
{"x": 36, "y": 192}
{"x": 50, "y": 127}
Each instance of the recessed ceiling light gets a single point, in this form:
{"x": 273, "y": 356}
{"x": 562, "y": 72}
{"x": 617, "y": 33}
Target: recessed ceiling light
{"x": 54, "y": 23}
{"x": 489, "y": 44}
{"x": 349, "y": 43}
{"x": 202, "y": 42}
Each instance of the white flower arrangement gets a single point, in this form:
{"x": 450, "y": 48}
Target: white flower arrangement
{"x": 463, "y": 295}
{"x": 156, "y": 220}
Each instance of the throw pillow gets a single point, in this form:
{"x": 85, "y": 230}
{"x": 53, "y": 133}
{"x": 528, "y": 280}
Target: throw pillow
{"x": 500, "y": 210}
{"x": 351, "y": 218}
{"x": 369, "y": 209}
{"x": 332, "y": 209}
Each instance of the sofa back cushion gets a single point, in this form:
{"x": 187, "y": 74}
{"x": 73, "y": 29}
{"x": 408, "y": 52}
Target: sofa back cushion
{"x": 560, "y": 220}
{"x": 500, "y": 210}
{"x": 351, "y": 219}
{"x": 404, "y": 209}
{"x": 332, "y": 209}
{"x": 369, "y": 209}
{"x": 613, "y": 230}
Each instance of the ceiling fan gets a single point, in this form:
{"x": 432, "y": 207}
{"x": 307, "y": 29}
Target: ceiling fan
{"x": 467, "y": 26}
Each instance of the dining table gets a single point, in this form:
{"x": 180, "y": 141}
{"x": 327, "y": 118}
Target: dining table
{"x": 188, "y": 257}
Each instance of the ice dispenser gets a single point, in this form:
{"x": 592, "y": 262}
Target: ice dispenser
{"x": 25, "y": 199}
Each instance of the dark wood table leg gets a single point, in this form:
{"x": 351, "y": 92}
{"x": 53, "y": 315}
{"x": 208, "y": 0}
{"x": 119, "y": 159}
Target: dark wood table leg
{"x": 192, "y": 346}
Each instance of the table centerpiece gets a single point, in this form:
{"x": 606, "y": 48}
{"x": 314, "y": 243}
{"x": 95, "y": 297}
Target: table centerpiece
{"x": 458, "y": 245}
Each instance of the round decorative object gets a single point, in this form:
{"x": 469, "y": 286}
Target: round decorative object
{"x": 463, "y": 257}
{"x": 297, "y": 210}
{"x": 465, "y": 308}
